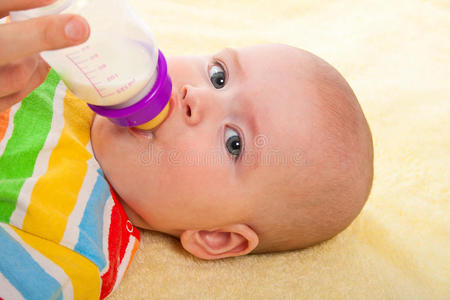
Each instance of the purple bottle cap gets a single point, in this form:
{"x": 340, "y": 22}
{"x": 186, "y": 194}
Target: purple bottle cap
{"x": 148, "y": 107}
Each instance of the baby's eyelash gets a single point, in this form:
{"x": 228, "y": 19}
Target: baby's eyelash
{"x": 218, "y": 61}
{"x": 222, "y": 64}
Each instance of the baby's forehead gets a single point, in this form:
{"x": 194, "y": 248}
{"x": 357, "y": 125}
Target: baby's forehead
{"x": 278, "y": 95}
{"x": 283, "y": 133}
{"x": 285, "y": 106}
{"x": 280, "y": 74}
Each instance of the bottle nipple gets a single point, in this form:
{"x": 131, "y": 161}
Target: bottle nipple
{"x": 157, "y": 120}
{"x": 154, "y": 105}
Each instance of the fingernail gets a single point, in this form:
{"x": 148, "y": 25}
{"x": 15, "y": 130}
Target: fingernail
{"x": 75, "y": 29}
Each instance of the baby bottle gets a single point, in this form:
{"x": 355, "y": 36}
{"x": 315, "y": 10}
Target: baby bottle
{"x": 119, "y": 71}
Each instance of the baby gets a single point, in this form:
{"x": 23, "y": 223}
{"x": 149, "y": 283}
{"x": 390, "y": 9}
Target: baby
{"x": 265, "y": 148}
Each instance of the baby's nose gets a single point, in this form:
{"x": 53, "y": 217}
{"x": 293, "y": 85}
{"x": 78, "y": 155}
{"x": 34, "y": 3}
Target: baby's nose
{"x": 191, "y": 105}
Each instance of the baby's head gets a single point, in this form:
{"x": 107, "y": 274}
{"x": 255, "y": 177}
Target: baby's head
{"x": 265, "y": 149}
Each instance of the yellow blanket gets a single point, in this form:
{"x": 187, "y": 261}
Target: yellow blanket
{"x": 396, "y": 56}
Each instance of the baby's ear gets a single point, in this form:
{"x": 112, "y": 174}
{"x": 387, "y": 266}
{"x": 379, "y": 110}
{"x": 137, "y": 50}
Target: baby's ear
{"x": 232, "y": 240}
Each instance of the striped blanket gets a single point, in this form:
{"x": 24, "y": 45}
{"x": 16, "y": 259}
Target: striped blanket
{"x": 63, "y": 232}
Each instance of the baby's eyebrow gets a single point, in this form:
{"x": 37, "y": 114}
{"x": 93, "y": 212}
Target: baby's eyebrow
{"x": 254, "y": 143}
{"x": 235, "y": 59}
{"x": 254, "y": 140}
{"x": 250, "y": 118}
{"x": 248, "y": 111}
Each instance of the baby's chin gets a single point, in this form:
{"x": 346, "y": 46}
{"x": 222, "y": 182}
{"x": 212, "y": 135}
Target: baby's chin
{"x": 104, "y": 129}
{"x": 107, "y": 139}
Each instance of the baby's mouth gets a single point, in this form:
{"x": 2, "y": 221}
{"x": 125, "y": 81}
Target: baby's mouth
{"x": 141, "y": 133}
{"x": 150, "y": 134}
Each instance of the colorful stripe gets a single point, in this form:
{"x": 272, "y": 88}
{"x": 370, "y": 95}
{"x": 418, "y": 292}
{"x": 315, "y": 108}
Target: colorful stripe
{"x": 109, "y": 205}
{"x": 123, "y": 240}
{"x": 28, "y": 129}
{"x": 8, "y": 290}
{"x": 4, "y": 120}
{"x": 66, "y": 288}
{"x": 83, "y": 273}
{"x": 42, "y": 159}
{"x": 54, "y": 205}
{"x": 70, "y": 233}
{"x": 132, "y": 247}
{"x": 90, "y": 243}
{"x": 44, "y": 285}
{"x": 9, "y": 126}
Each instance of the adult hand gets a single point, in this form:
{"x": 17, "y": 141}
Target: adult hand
{"x": 21, "y": 68}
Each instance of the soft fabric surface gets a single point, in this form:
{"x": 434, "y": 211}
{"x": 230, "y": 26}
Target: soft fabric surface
{"x": 396, "y": 56}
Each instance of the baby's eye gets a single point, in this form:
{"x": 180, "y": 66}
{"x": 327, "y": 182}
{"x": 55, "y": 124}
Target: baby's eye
{"x": 233, "y": 142}
{"x": 217, "y": 76}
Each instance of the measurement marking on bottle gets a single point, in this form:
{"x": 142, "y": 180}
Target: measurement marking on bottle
{"x": 102, "y": 89}
{"x": 85, "y": 75}
{"x": 83, "y": 61}
{"x": 73, "y": 53}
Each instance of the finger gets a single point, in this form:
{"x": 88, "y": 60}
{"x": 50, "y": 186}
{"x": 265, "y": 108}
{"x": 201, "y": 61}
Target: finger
{"x": 14, "y": 76}
{"x": 19, "y": 39}
{"x": 11, "y": 5}
{"x": 35, "y": 80}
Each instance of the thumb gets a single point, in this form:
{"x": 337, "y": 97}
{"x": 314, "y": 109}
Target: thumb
{"x": 20, "y": 39}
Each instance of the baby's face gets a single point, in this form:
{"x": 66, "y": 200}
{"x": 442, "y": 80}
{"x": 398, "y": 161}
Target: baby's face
{"x": 231, "y": 140}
